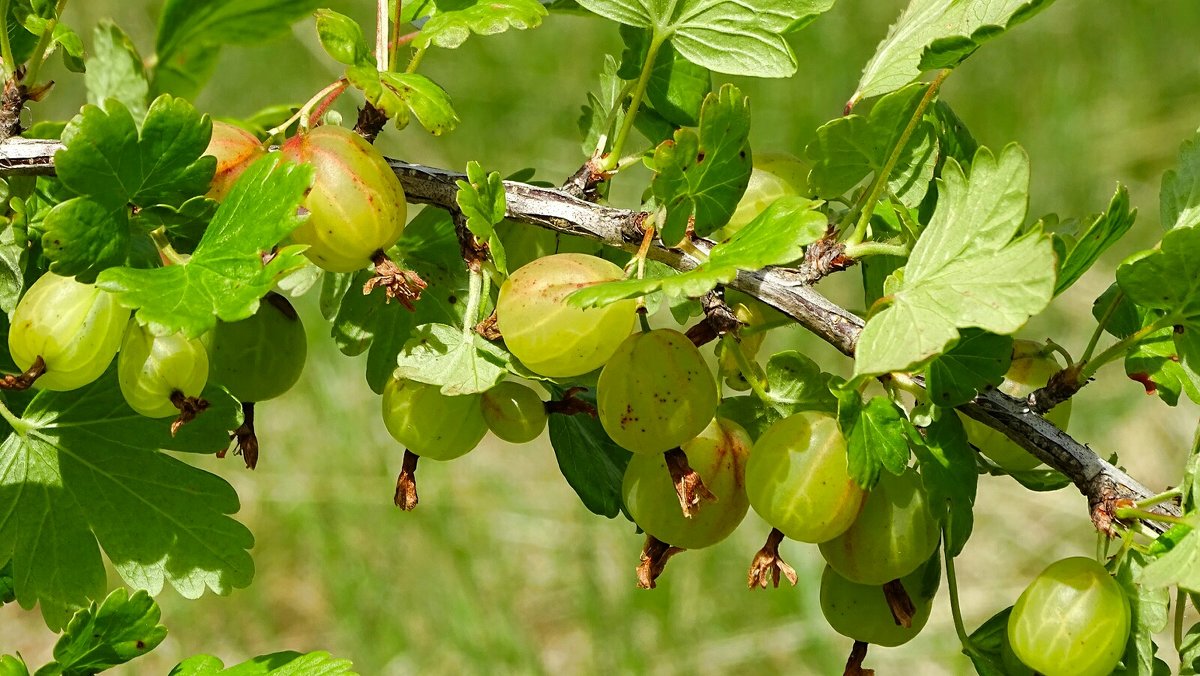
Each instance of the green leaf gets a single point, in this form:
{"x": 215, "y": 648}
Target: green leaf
{"x": 1168, "y": 279}
{"x": 597, "y": 118}
{"x": 8, "y": 592}
{"x": 1149, "y": 612}
{"x": 676, "y": 87}
{"x": 461, "y": 363}
{"x": 105, "y": 635}
{"x": 954, "y": 139}
{"x": 850, "y": 148}
{"x": 11, "y": 665}
{"x": 14, "y": 253}
{"x": 115, "y": 70}
{"x": 1180, "y": 564}
{"x": 590, "y": 462}
{"x": 191, "y": 33}
{"x": 1179, "y": 198}
{"x": 396, "y": 94}
{"x": 703, "y": 174}
{"x": 950, "y": 478}
{"x": 84, "y": 237}
{"x": 966, "y": 270}
{"x": 1189, "y": 652}
{"x": 938, "y": 34}
{"x": 225, "y": 277}
{"x": 776, "y": 236}
{"x": 736, "y": 38}
{"x": 977, "y": 361}
{"x": 1039, "y": 480}
{"x": 85, "y": 476}
{"x": 481, "y": 198}
{"x": 287, "y": 663}
{"x": 343, "y": 39}
{"x": 107, "y": 159}
{"x": 989, "y": 650}
{"x": 795, "y": 383}
{"x": 1095, "y": 239}
{"x": 876, "y": 435}
{"x": 450, "y": 28}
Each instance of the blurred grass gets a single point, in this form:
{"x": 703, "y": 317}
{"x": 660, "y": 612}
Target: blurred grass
{"x": 501, "y": 570}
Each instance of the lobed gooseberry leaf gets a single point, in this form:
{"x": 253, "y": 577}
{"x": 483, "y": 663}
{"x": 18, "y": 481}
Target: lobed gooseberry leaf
{"x": 398, "y": 94}
{"x": 115, "y": 70}
{"x": 1153, "y": 362}
{"x": 13, "y": 665}
{"x": 1189, "y": 652}
{"x": 190, "y": 36}
{"x": 84, "y": 237}
{"x": 1177, "y": 561}
{"x": 676, "y": 87}
{"x": 966, "y": 270}
{"x": 776, "y": 236}
{"x": 950, "y": 478}
{"x": 1148, "y": 613}
{"x": 1179, "y": 197}
{"x": 977, "y": 361}
{"x": 876, "y": 435}
{"x": 600, "y": 114}
{"x": 954, "y": 138}
{"x": 460, "y": 362}
{"x": 8, "y": 592}
{"x": 795, "y": 383}
{"x": 701, "y": 174}
{"x": 453, "y": 22}
{"x": 225, "y": 276}
{"x": 343, "y": 39}
{"x": 107, "y": 158}
{"x": 736, "y": 38}
{"x": 288, "y": 663}
{"x": 938, "y": 34}
{"x": 1142, "y": 279}
{"x": 1084, "y": 249}
{"x": 83, "y": 474}
{"x": 103, "y": 635}
{"x": 481, "y": 198}
{"x": 848, "y": 149}
{"x": 589, "y": 460}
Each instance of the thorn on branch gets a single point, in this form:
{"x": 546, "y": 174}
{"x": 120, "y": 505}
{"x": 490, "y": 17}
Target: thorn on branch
{"x": 899, "y": 603}
{"x": 571, "y": 404}
{"x": 688, "y": 485}
{"x": 655, "y": 554}
{"x": 403, "y": 285}
{"x": 406, "y": 483}
{"x": 24, "y": 381}
{"x": 768, "y": 564}
{"x": 854, "y": 665}
{"x": 189, "y": 408}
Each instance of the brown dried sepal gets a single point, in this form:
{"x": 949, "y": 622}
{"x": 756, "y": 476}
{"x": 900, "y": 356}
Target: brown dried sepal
{"x": 768, "y": 564}
{"x": 399, "y": 284}
{"x": 489, "y": 328}
{"x": 406, "y": 483}
{"x": 823, "y": 258}
{"x": 854, "y": 664}
{"x": 571, "y": 404}
{"x": 719, "y": 319}
{"x": 24, "y": 381}
{"x": 899, "y": 603}
{"x": 245, "y": 441}
{"x": 655, "y": 554}
{"x": 689, "y": 487}
{"x": 189, "y": 408}
{"x": 370, "y": 122}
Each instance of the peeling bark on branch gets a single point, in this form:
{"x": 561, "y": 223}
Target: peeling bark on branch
{"x": 785, "y": 289}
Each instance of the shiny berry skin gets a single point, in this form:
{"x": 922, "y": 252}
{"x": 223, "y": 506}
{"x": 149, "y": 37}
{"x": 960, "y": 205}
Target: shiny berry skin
{"x": 775, "y": 175}
{"x": 262, "y": 356}
{"x": 235, "y": 149}
{"x": 429, "y": 423}
{"x": 75, "y": 328}
{"x": 514, "y": 412}
{"x": 861, "y": 612}
{"x": 551, "y": 337}
{"x": 152, "y": 368}
{"x": 356, "y": 204}
{"x": 656, "y": 392}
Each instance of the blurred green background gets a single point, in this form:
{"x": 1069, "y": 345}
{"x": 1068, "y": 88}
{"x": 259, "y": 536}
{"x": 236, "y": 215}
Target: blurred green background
{"x": 501, "y": 569}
